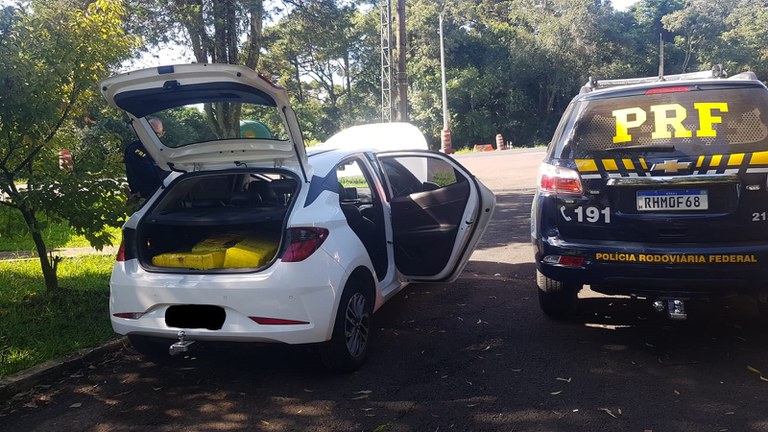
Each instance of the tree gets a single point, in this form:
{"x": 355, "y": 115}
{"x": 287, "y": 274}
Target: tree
{"x": 54, "y": 52}
{"x": 748, "y": 34}
{"x": 215, "y": 29}
{"x": 698, "y": 28}
{"x": 326, "y": 53}
{"x": 513, "y": 65}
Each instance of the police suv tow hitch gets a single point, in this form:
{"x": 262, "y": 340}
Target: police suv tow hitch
{"x": 181, "y": 346}
{"x": 675, "y": 308}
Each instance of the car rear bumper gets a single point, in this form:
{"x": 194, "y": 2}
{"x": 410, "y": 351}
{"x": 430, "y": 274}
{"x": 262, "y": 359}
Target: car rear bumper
{"x": 280, "y": 304}
{"x": 658, "y": 270}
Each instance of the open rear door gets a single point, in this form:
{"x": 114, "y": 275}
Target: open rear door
{"x": 439, "y": 212}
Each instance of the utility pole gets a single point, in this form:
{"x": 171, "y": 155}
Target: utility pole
{"x": 442, "y": 75}
{"x": 387, "y": 108}
{"x": 445, "y": 136}
{"x": 402, "y": 76}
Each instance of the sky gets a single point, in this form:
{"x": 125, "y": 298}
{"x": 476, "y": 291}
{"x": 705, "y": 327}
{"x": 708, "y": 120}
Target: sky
{"x": 622, "y": 4}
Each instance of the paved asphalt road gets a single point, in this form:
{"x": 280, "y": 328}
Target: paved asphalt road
{"x": 473, "y": 355}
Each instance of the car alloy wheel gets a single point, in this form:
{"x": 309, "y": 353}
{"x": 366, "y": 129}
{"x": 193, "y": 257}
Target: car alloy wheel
{"x": 356, "y": 325}
{"x": 348, "y": 347}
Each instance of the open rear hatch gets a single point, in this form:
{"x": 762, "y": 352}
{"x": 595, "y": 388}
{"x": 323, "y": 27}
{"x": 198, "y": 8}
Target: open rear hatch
{"x": 216, "y": 116}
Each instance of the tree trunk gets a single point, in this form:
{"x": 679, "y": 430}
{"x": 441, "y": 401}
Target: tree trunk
{"x": 230, "y": 36}
{"x": 348, "y": 77}
{"x": 191, "y": 17}
{"x": 297, "y": 76}
{"x": 688, "y": 52}
{"x": 47, "y": 265}
{"x": 252, "y": 50}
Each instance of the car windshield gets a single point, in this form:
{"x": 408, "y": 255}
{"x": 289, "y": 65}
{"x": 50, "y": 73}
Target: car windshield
{"x": 194, "y": 123}
{"x": 687, "y": 121}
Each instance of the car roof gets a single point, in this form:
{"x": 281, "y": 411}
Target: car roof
{"x": 599, "y": 89}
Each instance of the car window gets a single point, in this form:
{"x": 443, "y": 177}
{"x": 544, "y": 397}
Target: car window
{"x": 412, "y": 174}
{"x": 195, "y": 123}
{"x": 692, "y": 121}
{"x": 353, "y": 185}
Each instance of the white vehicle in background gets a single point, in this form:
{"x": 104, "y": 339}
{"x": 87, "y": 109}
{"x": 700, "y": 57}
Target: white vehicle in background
{"x": 379, "y": 136}
{"x": 250, "y": 239}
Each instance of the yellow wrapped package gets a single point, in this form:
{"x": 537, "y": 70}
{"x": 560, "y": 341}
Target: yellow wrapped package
{"x": 219, "y": 242}
{"x": 195, "y": 260}
{"x": 250, "y": 252}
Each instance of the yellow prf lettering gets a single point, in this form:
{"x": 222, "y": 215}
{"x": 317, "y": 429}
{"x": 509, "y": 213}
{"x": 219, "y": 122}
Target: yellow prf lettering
{"x": 623, "y": 124}
{"x": 662, "y": 120}
{"x": 706, "y": 119}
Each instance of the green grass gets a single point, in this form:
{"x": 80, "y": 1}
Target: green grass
{"x": 14, "y": 235}
{"x": 36, "y": 325}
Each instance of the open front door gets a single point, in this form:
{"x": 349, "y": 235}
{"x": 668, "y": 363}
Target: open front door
{"x": 439, "y": 211}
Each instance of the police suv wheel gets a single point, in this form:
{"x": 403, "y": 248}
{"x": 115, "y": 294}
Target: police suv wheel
{"x": 556, "y": 299}
{"x": 762, "y": 306}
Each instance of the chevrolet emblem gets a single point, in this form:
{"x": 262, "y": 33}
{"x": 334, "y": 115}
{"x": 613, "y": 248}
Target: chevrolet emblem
{"x": 671, "y": 166}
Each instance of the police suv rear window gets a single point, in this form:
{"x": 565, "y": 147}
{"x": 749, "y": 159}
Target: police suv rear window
{"x": 683, "y": 120}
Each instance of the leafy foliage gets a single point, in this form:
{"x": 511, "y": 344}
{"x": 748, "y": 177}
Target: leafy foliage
{"x": 53, "y": 54}
{"x": 512, "y": 65}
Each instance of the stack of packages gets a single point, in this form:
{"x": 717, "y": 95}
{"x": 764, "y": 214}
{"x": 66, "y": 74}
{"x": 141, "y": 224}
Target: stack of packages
{"x": 228, "y": 250}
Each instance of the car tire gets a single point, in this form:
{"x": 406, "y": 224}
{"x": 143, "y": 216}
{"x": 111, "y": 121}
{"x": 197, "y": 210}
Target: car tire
{"x": 154, "y": 349}
{"x": 557, "y": 299}
{"x": 348, "y": 347}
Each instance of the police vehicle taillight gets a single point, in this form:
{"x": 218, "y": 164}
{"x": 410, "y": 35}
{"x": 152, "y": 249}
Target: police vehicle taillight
{"x": 564, "y": 260}
{"x": 665, "y": 90}
{"x": 559, "y": 180}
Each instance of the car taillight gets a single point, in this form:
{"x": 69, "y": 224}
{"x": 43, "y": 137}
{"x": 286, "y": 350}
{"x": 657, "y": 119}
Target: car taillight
{"x": 121, "y": 251}
{"x": 303, "y": 242}
{"x": 127, "y": 249}
{"x": 559, "y": 180}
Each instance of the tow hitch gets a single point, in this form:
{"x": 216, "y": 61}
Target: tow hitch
{"x": 181, "y": 346}
{"x": 675, "y": 308}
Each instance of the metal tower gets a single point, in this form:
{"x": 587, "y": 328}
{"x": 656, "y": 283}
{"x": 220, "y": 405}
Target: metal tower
{"x": 387, "y": 109}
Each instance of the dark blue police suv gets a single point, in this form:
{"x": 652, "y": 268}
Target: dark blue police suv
{"x": 656, "y": 189}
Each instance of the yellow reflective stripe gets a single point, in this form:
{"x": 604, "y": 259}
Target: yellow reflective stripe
{"x": 715, "y": 160}
{"x": 736, "y": 159}
{"x": 586, "y": 165}
{"x": 700, "y": 161}
{"x": 642, "y": 164}
{"x": 759, "y": 158}
{"x": 628, "y": 164}
{"x": 610, "y": 165}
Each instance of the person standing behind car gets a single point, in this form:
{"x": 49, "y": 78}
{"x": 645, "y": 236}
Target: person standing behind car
{"x": 144, "y": 176}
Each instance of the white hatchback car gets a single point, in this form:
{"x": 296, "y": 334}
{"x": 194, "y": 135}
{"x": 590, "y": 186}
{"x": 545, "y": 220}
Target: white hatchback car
{"x": 251, "y": 239}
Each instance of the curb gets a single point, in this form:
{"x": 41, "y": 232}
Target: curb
{"x": 63, "y": 252}
{"x": 52, "y": 369}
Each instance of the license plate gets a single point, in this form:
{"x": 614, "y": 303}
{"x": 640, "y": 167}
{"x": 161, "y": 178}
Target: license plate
{"x": 669, "y": 200}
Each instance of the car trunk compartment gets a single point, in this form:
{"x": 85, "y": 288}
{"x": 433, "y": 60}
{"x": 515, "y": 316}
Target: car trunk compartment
{"x": 217, "y": 222}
